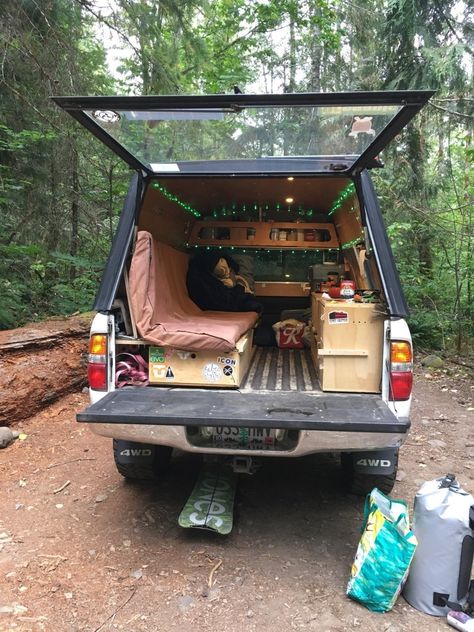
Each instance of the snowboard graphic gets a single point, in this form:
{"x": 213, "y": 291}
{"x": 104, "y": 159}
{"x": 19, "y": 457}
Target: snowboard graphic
{"x": 211, "y": 503}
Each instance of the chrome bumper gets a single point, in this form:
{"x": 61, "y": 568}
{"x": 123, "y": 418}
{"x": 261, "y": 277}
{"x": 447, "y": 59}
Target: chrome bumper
{"x": 310, "y": 441}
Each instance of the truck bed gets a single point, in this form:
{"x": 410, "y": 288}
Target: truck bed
{"x": 273, "y": 369}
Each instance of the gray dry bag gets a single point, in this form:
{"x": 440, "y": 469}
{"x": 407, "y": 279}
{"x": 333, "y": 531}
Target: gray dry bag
{"x": 443, "y": 522}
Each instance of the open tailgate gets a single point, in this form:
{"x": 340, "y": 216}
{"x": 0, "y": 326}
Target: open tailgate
{"x": 301, "y": 411}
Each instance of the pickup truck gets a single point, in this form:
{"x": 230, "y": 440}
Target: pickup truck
{"x": 250, "y": 307}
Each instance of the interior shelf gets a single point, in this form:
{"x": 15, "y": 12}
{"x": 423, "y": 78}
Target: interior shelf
{"x": 302, "y": 235}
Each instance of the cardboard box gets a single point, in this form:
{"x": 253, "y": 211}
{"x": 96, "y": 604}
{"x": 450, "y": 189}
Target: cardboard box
{"x": 177, "y": 367}
{"x": 350, "y": 346}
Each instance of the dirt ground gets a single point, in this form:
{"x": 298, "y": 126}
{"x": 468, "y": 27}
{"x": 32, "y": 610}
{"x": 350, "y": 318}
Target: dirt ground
{"x": 83, "y": 550}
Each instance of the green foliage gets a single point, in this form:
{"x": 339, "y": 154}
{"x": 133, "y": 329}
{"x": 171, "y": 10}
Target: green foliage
{"x": 61, "y": 192}
{"x": 35, "y": 284}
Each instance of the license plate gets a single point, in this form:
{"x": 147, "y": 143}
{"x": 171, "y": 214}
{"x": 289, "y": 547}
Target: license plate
{"x": 249, "y": 438}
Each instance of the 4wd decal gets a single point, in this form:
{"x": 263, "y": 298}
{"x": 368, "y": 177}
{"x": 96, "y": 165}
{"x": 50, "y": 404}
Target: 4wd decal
{"x": 132, "y": 452}
{"x": 374, "y": 463}
{"x": 146, "y": 452}
{"x": 338, "y": 318}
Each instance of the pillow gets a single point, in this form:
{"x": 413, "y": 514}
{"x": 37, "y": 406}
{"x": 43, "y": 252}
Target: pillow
{"x": 246, "y": 268}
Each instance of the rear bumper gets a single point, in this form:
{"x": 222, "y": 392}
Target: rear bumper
{"x": 310, "y": 441}
{"x": 326, "y": 421}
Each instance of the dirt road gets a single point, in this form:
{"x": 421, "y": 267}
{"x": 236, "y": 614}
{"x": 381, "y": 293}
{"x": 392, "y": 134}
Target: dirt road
{"x": 80, "y": 549}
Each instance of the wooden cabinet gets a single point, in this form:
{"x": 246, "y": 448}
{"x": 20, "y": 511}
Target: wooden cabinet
{"x": 348, "y": 345}
{"x": 298, "y": 235}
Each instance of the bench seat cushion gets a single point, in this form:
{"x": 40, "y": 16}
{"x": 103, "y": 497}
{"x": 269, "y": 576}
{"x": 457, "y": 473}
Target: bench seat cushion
{"x": 164, "y": 313}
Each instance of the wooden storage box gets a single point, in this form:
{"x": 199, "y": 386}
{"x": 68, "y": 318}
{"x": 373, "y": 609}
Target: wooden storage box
{"x": 350, "y": 346}
{"x": 315, "y": 310}
{"x": 177, "y": 367}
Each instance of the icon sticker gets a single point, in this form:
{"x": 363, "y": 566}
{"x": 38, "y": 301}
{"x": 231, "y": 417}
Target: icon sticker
{"x": 227, "y": 370}
{"x": 229, "y": 361}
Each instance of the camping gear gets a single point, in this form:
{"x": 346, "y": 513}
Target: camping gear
{"x": 347, "y": 289}
{"x": 289, "y": 334}
{"x": 131, "y": 370}
{"x": 443, "y": 522}
{"x": 334, "y": 291}
{"x": 383, "y": 556}
{"x": 461, "y": 621}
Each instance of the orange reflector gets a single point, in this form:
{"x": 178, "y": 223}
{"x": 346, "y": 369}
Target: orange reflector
{"x": 98, "y": 344}
{"x": 401, "y": 352}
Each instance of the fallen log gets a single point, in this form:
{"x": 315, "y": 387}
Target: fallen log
{"x": 40, "y": 363}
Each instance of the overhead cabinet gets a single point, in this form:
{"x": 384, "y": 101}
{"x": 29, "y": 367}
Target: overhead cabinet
{"x": 292, "y": 235}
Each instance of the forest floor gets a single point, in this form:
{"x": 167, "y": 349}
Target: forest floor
{"x": 83, "y": 550}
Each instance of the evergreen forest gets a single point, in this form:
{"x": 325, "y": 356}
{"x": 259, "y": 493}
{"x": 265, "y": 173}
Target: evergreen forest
{"x": 61, "y": 191}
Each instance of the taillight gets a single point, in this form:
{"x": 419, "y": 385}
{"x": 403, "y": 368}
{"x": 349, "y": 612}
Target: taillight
{"x": 97, "y": 367}
{"x": 401, "y": 370}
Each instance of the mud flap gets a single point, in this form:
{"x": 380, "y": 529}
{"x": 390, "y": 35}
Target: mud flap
{"x": 375, "y": 462}
{"x": 211, "y": 503}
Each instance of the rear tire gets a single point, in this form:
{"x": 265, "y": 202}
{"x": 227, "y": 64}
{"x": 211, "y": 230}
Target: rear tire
{"x": 361, "y": 484}
{"x": 148, "y": 471}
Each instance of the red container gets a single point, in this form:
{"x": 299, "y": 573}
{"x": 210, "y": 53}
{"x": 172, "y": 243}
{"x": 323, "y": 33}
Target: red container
{"x": 334, "y": 291}
{"x": 310, "y": 234}
{"x": 288, "y": 337}
{"x": 347, "y": 289}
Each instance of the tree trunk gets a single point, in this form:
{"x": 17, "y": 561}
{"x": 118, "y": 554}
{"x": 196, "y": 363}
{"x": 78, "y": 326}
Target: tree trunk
{"x": 40, "y": 363}
{"x": 74, "y": 246}
{"x": 292, "y": 81}
{"x": 316, "y": 52}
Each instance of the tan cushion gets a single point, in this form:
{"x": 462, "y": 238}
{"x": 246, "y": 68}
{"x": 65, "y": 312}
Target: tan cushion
{"x": 164, "y": 313}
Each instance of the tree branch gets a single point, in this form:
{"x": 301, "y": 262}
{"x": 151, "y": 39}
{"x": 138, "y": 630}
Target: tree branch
{"x": 460, "y": 114}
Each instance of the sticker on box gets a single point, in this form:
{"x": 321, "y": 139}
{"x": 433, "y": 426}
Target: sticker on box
{"x": 212, "y": 372}
{"x": 338, "y": 318}
{"x": 157, "y": 354}
{"x": 185, "y": 355}
{"x": 158, "y": 371}
{"x": 228, "y": 361}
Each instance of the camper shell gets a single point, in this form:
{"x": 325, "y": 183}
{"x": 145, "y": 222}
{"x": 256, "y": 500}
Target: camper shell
{"x": 281, "y": 184}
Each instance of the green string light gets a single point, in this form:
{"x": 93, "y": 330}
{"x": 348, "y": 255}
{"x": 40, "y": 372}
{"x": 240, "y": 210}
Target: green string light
{"x": 224, "y": 212}
{"x": 174, "y": 198}
{"x": 352, "y": 242}
{"x": 267, "y": 250}
{"x": 341, "y": 198}
{"x": 252, "y": 212}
